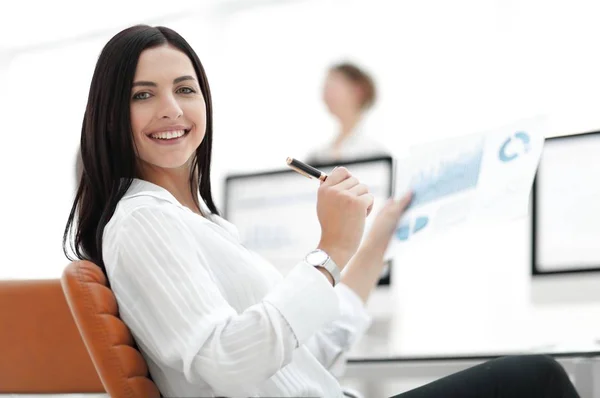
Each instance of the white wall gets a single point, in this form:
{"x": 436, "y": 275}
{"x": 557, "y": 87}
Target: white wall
{"x": 442, "y": 68}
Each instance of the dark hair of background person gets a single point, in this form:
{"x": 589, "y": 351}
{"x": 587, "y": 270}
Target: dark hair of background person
{"x": 359, "y": 77}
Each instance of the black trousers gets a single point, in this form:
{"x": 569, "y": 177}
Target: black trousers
{"x": 529, "y": 376}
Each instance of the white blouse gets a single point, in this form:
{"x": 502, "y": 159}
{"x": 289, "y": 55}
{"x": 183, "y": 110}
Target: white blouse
{"x": 214, "y": 319}
{"x": 357, "y": 145}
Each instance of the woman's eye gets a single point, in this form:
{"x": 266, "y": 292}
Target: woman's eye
{"x": 186, "y": 90}
{"x": 141, "y": 96}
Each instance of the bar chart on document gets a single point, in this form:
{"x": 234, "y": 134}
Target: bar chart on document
{"x": 472, "y": 178}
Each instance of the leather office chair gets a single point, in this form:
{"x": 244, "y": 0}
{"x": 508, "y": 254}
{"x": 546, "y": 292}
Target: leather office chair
{"x": 41, "y": 351}
{"x": 121, "y": 367}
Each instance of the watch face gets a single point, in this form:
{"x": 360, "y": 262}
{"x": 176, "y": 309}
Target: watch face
{"x": 318, "y": 257}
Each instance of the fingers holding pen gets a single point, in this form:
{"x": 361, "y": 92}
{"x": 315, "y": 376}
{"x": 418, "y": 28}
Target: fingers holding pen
{"x": 343, "y": 203}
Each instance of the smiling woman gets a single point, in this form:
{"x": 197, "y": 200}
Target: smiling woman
{"x": 211, "y": 318}
{"x": 151, "y": 85}
{"x": 168, "y": 116}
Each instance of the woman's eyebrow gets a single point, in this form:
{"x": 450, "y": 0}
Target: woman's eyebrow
{"x": 183, "y": 78}
{"x": 152, "y": 84}
{"x": 144, "y": 83}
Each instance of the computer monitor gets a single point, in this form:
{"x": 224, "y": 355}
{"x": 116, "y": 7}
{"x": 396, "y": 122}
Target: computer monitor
{"x": 566, "y": 206}
{"x": 275, "y": 211}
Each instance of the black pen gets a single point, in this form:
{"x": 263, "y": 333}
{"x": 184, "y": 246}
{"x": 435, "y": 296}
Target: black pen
{"x": 305, "y": 169}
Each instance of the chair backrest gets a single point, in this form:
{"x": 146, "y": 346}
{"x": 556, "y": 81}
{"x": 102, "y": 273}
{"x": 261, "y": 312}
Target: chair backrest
{"x": 41, "y": 351}
{"x": 121, "y": 367}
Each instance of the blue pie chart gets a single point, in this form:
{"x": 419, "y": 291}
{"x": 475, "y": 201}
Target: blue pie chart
{"x": 505, "y": 154}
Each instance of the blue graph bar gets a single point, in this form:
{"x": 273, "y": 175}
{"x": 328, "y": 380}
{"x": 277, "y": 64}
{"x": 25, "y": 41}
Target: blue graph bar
{"x": 450, "y": 177}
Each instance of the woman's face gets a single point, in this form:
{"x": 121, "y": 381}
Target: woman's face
{"x": 168, "y": 112}
{"x": 340, "y": 94}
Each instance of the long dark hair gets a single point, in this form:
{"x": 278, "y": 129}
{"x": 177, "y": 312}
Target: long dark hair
{"x": 107, "y": 146}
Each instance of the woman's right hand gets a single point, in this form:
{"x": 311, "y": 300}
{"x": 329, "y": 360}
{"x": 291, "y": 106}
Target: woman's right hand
{"x": 343, "y": 204}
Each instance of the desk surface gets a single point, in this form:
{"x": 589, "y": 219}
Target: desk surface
{"x": 465, "y": 357}
{"x": 413, "y": 371}
{"x": 372, "y": 351}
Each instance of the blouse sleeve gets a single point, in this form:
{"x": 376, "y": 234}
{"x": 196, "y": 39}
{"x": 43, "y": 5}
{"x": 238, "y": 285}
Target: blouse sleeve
{"x": 331, "y": 344}
{"x": 168, "y": 297}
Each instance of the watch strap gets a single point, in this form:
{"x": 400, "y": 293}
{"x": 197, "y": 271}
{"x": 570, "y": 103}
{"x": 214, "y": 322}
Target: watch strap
{"x": 327, "y": 263}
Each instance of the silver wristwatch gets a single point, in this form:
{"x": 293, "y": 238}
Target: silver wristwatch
{"x": 318, "y": 258}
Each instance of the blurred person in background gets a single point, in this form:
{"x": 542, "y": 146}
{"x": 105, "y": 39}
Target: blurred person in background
{"x": 349, "y": 92}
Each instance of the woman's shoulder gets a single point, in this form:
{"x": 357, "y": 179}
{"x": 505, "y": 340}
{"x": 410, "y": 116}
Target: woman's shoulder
{"x": 130, "y": 211}
{"x": 143, "y": 211}
{"x": 145, "y": 207}
{"x": 144, "y": 197}
{"x": 143, "y": 200}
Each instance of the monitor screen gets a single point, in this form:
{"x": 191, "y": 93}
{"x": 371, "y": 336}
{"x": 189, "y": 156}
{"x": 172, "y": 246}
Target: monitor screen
{"x": 275, "y": 211}
{"x": 566, "y": 206}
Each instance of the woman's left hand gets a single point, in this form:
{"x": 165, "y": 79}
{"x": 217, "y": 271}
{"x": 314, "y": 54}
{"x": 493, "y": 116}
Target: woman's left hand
{"x": 385, "y": 223}
{"x": 364, "y": 269}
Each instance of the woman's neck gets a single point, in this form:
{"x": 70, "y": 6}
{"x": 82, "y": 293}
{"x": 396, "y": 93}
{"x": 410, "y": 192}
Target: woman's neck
{"x": 176, "y": 181}
{"x": 348, "y": 123}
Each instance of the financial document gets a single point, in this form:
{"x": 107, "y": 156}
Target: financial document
{"x": 469, "y": 179}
